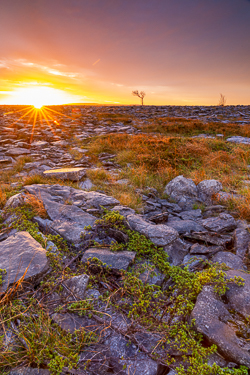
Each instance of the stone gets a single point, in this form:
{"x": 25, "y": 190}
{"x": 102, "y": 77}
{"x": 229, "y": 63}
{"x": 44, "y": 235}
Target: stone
{"x": 231, "y": 260}
{"x": 15, "y": 201}
{"x": 16, "y": 151}
{"x": 176, "y": 251}
{"x": 183, "y": 190}
{"x": 181, "y": 186}
{"x": 211, "y": 319}
{"x": 237, "y": 296}
{"x": 194, "y": 262}
{"x": 75, "y": 287}
{"x": 239, "y": 139}
{"x": 124, "y": 210}
{"x": 185, "y": 226}
{"x": 137, "y": 363}
{"x": 201, "y": 249}
{"x": 86, "y": 184}
{"x": 241, "y": 240}
{"x": 159, "y": 218}
{"x": 117, "y": 261}
{"x": 149, "y": 273}
{"x": 67, "y": 220}
{"x": 222, "y": 223}
{"x": 6, "y": 160}
{"x": 20, "y": 253}
{"x": 160, "y": 234}
{"x": 95, "y": 199}
{"x": 191, "y": 214}
{"x": 29, "y": 371}
{"x": 207, "y": 189}
{"x": 39, "y": 144}
{"x": 210, "y": 238}
{"x": 70, "y": 322}
{"x": 72, "y": 174}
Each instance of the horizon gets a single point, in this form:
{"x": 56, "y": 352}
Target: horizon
{"x": 184, "y": 54}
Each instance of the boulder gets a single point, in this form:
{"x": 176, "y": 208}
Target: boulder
{"x": 72, "y": 174}
{"x": 208, "y": 188}
{"x": 211, "y": 319}
{"x": 117, "y": 261}
{"x": 160, "y": 235}
{"x": 21, "y": 255}
{"x": 181, "y": 186}
{"x": 222, "y": 223}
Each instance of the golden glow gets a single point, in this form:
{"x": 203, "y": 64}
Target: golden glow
{"x": 39, "y": 96}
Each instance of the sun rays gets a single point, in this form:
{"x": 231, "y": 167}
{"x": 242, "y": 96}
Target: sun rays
{"x": 36, "y": 115}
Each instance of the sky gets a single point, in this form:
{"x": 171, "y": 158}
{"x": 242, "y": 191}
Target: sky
{"x": 180, "y": 52}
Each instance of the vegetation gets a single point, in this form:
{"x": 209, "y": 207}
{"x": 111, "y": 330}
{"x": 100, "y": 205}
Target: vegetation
{"x": 151, "y": 161}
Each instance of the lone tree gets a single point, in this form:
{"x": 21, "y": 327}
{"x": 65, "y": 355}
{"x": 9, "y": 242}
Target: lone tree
{"x": 139, "y": 94}
{"x": 222, "y": 101}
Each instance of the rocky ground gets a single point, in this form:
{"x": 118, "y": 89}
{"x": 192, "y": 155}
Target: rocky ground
{"x": 92, "y": 286}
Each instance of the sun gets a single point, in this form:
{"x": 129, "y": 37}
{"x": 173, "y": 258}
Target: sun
{"x": 40, "y": 96}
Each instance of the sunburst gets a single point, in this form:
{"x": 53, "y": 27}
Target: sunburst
{"x": 36, "y": 114}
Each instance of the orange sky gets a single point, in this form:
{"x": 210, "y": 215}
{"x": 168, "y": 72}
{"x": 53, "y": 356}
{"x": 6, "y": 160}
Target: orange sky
{"x": 179, "y": 52}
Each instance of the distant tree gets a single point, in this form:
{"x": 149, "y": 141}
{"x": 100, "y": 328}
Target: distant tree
{"x": 222, "y": 101}
{"x": 140, "y": 95}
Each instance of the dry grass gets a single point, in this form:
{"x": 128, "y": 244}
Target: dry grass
{"x": 181, "y": 126}
{"x": 36, "y": 204}
{"x": 153, "y": 160}
{"x": 157, "y": 159}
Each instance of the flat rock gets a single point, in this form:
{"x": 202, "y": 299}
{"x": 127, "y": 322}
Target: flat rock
{"x": 72, "y": 174}
{"x": 185, "y": 226}
{"x": 231, "y": 260}
{"x": 6, "y": 160}
{"x": 201, "y": 249}
{"x": 239, "y": 139}
{"x": 211, "y": 319}
{"x": 124, "y": 210}
{"x": 117, "y": 261}
{"x": 16, "y": 151}
{"x": 160, "y": 235}
{"x": 222, "y": 223}
{"x": 95, "y": 199}
{"x": 19, "y": 253}
{"x": 210, "y": 238}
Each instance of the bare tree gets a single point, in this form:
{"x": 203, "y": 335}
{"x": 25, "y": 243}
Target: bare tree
{"x": 222, "y": 101}
{"x": 140, "y": 95}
